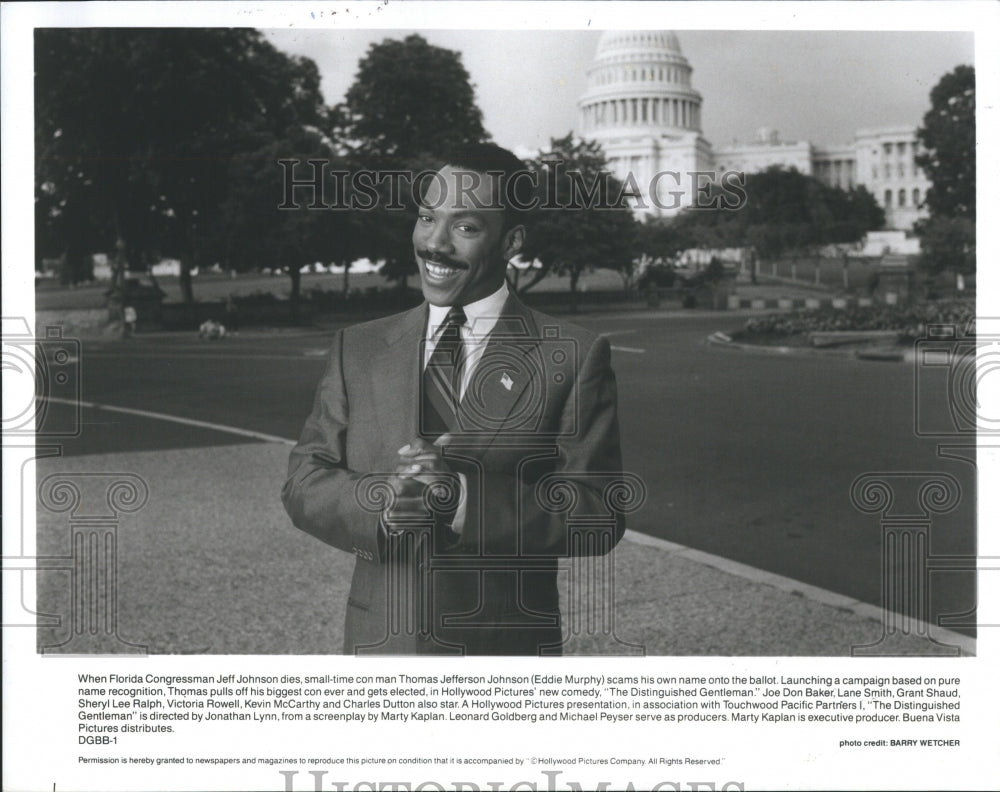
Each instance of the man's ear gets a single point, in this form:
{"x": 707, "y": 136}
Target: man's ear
{"x": 513, "y": 241}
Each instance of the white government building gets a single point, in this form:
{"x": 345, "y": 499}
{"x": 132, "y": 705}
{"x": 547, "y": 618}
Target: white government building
{"x": 641, "y": 106}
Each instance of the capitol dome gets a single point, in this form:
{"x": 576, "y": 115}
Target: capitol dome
{"x": 641, "y": 108}
{"x": 639, "y": 83}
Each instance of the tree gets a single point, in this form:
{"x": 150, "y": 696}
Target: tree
{"x": 136, "y": 129}
{"x": 785, "y": 210}
{"x": 410, "y": 102}
{"x": 410, "y": 99}
{"x": 948, "y": 244}
{"x": 583, "y": 221}
{"x": 948, "y": 135}
{"x": 262, "y": 226}
{"x": 659, "y": 238}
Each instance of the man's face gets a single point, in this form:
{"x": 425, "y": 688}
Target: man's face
{"x": 459, "y": 241}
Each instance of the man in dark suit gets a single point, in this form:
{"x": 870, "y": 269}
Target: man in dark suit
{"x": 460, "y": 448}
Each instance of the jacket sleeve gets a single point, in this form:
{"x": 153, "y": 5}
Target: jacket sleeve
{"x": 566, "y": 506}
{"x": 320, "y": 491}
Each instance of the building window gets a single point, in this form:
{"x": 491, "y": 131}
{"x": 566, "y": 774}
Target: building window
{"x": 899, "y": 170}
{"x": 888, "y": 198}
{"x": 902, "y": 197}
{"x": 874, "y": 171}
{"x": 886, "y": 170}
{"x": 916, "y": 197}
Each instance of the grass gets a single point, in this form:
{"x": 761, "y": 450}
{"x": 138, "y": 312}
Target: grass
{"x": 213, "y": 287}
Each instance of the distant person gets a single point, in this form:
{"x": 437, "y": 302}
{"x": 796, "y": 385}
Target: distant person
{"x": 130, "y": 318}
{"x": 474, "y": 389}
{"x": 232, "y": 314}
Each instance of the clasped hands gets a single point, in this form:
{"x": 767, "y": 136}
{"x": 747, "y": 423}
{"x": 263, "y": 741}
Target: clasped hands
{"x": 421, "y": 465}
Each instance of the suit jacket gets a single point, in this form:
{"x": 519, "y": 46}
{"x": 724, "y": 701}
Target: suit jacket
{"x": 538, "y": 443}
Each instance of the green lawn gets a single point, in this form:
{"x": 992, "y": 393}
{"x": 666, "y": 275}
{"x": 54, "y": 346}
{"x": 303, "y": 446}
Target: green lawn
{"x": 214, "y": 287}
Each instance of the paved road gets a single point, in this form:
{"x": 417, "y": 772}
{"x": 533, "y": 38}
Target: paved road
{"x": 747, "y": 456}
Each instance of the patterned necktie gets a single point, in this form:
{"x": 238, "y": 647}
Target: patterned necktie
{"x": 441, "y": 384}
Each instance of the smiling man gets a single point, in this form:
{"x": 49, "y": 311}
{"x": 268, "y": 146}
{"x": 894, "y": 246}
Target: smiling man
{"x": 460, "y": 448}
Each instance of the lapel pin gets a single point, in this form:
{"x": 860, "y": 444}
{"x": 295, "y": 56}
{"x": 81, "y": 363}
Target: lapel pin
{"x": 506, "y": 381}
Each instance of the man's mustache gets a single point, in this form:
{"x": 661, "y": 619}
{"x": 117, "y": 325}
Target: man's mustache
{"x": 436, "y": 258}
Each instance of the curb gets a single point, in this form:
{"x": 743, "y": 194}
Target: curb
{"x": 735, "y": 302}
{"x": 720, "y": 339}
{"x": 797, "y": 588}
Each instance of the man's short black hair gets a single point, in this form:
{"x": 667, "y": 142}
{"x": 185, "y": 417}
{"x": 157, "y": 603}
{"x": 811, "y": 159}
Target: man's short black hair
{"x": 514, "y": 193}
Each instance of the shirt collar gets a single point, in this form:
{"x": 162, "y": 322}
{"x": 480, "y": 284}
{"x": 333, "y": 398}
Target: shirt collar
{"x": 481, "y": 315}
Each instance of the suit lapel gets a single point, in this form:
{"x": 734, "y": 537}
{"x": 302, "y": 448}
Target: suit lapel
{"x": 395, "y": 377}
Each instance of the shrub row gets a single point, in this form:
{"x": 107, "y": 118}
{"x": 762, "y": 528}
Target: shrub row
{"x": 910, "y": 321}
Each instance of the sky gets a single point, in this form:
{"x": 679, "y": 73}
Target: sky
{"x": 818, "y": 86}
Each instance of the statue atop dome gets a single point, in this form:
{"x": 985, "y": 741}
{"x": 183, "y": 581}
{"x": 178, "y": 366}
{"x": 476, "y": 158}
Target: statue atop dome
{"x": 616, "y": 41}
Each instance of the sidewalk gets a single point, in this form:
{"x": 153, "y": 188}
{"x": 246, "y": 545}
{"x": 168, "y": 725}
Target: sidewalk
{"x": 211, "y": 565}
